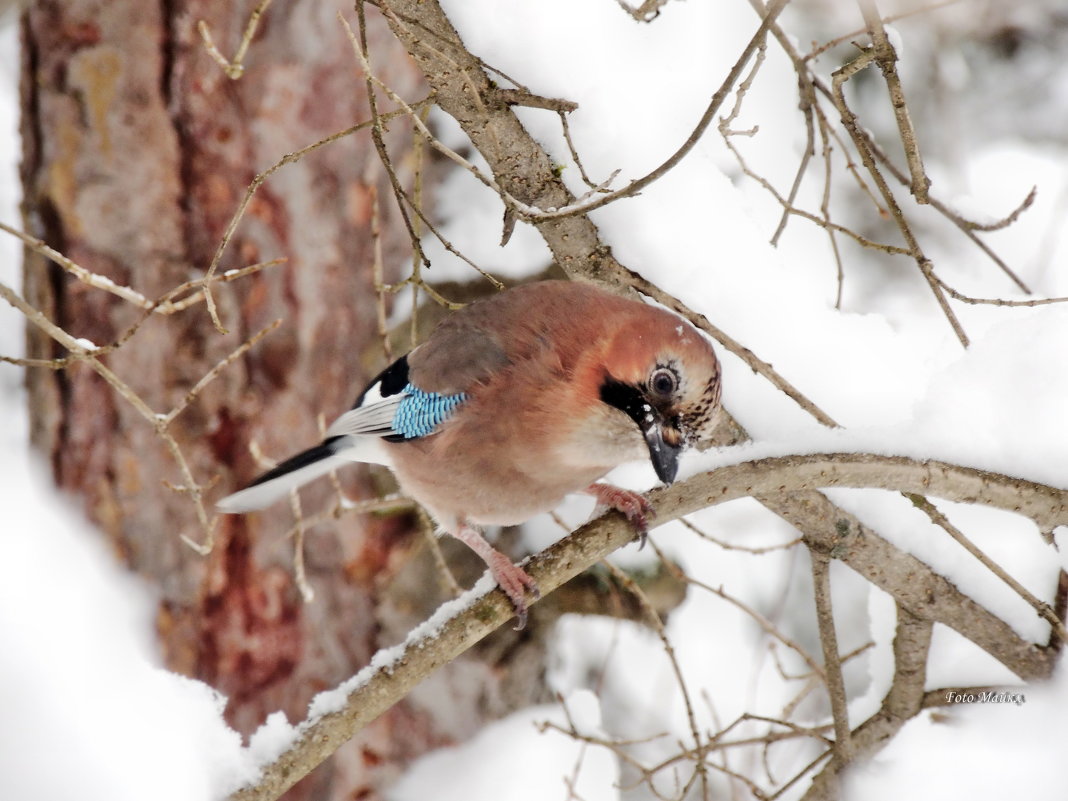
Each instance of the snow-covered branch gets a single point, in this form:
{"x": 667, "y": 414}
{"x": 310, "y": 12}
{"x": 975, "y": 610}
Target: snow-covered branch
{"x": 338, "y": 714}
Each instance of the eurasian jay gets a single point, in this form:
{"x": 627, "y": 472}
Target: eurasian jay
{"x": 514, "y": 402}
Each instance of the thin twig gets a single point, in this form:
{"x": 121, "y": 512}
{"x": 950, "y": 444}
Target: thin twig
{"x": 376, "y": 132}
{"x": 257, "y": 182}
{"x": 404, "y": 201}
{"x": 377, "y": 277}
{"x": 388, "y": 503}
{"x": 821, "y": 580}
{"x": 235, "y": 68}
{"x": 853, "y": 127}
{"x": 967, "y": 227}
{"x": 1008, "y": 219}
{"x": 638, "y": 184}
{"x": 886, "y": 58}
{"x": 769, "y": 628}
{"x": 808, "y": 100}
{"x": 208, "y": 377}
{"x": 565, "y": 126}
{"x": 997, "y": 301}
{"x": 521, "y": 97}
{"x": 758, "y": 365}
{"x": 1044, "y": 610}
{"x": 658, "y": 626}
{"x": 300, "y": 577}
{"x": 847, "y": 37}
{"x": 727, "y": 546}
{"x": 444, "y": 572}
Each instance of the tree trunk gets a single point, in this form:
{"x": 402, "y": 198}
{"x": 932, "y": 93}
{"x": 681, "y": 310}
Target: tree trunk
{"x": 138, "y": 150}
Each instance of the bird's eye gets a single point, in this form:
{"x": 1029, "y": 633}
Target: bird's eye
{"x": 663, "y": 382}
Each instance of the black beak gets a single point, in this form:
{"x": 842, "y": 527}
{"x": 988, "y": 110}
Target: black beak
{"x": 664, "y": 440}
{"x": 664, "y": 456}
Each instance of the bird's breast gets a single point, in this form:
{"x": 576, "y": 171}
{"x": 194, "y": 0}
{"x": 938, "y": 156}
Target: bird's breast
{"x": 494, "y": 477}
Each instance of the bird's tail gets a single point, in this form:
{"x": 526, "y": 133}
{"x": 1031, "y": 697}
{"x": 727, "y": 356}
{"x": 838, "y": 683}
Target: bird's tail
{"x": 294, "y": 472}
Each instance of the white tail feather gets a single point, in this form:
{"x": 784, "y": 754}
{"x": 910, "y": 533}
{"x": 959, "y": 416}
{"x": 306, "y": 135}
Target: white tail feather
{"x": 260, "y": 496}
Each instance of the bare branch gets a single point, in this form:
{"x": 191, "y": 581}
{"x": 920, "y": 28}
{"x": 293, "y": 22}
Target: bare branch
{"x": 860, "y": 142}
{"x": 727, "y": 546}
{"x": 658, "y": 626}
{"x": 912, "y": 643}
{"x": 768, "y": 627}
{"x": 1044, "y": 610}
{"x": 832, "y": 664}
{"x": 997, "y": 301}
{"x": 846, "y": 37}
{"x": 519, "y": 97}
{"x": 635, "y": 186}
{"x": 1008, "y": 219}
{"x": 886, "y": 58}
{"x": 208, "y": 377}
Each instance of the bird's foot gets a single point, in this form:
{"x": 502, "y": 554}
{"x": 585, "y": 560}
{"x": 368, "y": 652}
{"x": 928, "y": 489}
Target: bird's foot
{"x": 632, "y": 504}
{"x": 512, "y": 579}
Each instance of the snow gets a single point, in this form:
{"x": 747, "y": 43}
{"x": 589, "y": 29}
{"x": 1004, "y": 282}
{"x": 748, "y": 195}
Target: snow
{"x": 88, "y": 711}
{"x": 271, "y": 739}
{"x": 512, "y": 758}
{"x": 974, "y": 750}
{"x": 80, "y": 680}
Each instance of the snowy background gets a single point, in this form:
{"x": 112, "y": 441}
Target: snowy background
{"x": 88, "y": 713}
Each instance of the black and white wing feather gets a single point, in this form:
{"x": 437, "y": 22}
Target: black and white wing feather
{"x": 389, "y": 410}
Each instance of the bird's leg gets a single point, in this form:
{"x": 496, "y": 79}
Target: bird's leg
{"x": 511, "y": 578}
{"x": 632, "y": 504}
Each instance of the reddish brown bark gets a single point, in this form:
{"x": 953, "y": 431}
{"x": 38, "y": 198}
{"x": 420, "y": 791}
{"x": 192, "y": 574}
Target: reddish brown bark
{"x": 137, "y": 151}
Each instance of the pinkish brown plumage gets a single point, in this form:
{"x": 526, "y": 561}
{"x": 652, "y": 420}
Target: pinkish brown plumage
{"x": 518, "y": 400}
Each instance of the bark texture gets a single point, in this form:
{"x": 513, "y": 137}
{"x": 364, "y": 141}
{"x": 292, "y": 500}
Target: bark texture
{"x": 137, "y": 150}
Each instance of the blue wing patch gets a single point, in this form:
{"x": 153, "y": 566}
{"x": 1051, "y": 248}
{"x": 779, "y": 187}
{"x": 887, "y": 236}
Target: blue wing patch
{"x": 421, "y": 412}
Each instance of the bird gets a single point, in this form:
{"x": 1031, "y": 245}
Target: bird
{"x": 514, "y": 402}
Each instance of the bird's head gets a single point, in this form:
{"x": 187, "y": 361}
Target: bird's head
{"x": 662, "y": 374}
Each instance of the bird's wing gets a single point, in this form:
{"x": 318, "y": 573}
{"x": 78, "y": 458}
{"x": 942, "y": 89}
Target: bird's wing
{"x": 374, "y": 418}
{"x": 419, "y": 392}
{"x": 463, "y": 352}
{"x": 411, "y": 398}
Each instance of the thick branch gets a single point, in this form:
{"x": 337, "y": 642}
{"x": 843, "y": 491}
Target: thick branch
{"x": 386, "y": 681}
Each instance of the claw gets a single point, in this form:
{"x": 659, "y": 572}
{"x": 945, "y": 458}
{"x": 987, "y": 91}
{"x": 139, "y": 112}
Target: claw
{"x": 512, "y": 579}
{"x": 632, "y": 504}
{"x": 515, "y": 582}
